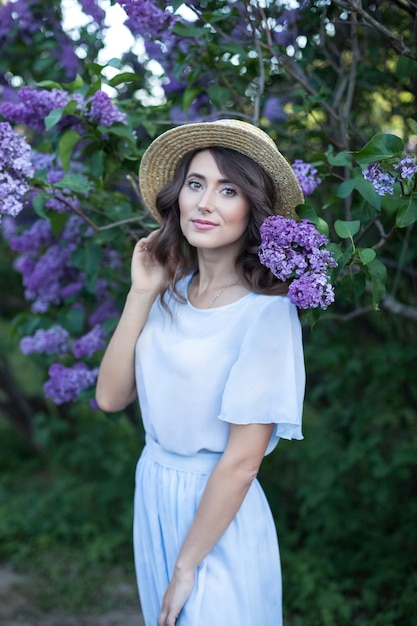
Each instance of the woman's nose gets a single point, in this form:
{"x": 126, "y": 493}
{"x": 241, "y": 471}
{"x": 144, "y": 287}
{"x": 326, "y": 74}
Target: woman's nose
{"x": 206, "y": 201}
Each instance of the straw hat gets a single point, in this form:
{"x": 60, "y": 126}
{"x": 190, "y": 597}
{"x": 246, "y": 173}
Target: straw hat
{"x": 161, "y": 160}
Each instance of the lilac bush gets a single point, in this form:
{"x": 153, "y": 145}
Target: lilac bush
{"x": 86, "y": 155}
{"x": 20, "y": 23}
{"x": 307, "y": 176}
{"x": 35, "y": 104}
{"x": 294, "y": 250}
{"x": 66, "y": 383}
{"x": 15, "y": 170}
{"x": 55, "y": 340}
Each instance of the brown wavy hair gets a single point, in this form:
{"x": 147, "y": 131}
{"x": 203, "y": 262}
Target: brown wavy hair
{"x": 174, "y": 253}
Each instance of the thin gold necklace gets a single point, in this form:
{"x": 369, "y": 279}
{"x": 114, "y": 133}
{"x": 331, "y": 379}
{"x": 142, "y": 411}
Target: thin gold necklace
{"x": 219, "y": 293}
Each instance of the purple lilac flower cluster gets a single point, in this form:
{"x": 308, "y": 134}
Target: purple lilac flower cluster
{"x": 103, "y": 111}
{"x": 91, "y": 7}
{"x": 295, "y": 250}
{"x": 47, "y": 272}
{"x": 406, "y": 167}
{"x": 145, "y": 18}
{"x": 15, "y": 170}
{"x": 307, "y": 176}
{"x": 88, "y": 344}
{"x": 383, "y": 181}
{"x": 65, "y": 383}
{"x": 55, "y": 340}
{"x": 36, "y": 104}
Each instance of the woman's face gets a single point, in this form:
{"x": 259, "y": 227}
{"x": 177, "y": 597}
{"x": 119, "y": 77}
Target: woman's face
{"x": 214, "y": 213}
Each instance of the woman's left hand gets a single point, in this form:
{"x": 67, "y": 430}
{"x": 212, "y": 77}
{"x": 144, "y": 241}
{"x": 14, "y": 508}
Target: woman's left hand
{"x": 176, "y": 596}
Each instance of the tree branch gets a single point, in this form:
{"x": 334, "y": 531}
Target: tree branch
{"x": 395, "y": 41}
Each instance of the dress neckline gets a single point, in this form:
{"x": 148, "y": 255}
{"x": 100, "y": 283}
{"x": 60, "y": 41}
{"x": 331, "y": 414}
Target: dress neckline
{"x": 216, "y": 308}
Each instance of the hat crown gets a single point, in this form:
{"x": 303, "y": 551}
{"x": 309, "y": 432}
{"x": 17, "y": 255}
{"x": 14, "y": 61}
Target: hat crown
{"x": 160, "y": 161}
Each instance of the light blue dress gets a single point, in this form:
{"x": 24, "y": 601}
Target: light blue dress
{"x": 197, "y": 371}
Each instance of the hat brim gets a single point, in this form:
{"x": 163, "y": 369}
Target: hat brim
{"x": 160, "y": 162}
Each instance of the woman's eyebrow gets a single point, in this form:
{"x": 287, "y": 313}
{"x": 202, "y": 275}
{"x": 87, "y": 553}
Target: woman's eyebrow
{"x": 202, "y": 177}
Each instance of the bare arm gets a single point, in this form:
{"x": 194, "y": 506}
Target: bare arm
{"x": 222, "y": 498}
{"x": 116, "y": 386}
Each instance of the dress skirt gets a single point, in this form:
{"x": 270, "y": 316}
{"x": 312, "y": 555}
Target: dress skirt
{"x": 239, "y": 582}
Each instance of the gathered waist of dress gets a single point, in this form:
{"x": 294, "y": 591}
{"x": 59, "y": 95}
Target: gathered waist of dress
{"x": 199, "y": 463}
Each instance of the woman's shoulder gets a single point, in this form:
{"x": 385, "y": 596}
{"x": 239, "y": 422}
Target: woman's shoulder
{"x": 264, "y": 301}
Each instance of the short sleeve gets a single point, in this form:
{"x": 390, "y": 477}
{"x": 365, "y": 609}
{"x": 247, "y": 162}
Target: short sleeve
{"x": 267, "y": 381}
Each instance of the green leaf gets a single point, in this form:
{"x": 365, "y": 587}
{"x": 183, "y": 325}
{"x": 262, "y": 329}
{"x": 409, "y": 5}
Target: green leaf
{"x": 182, "y": 30}
{"x": 49, "y": 84}
{"x": 97, "y": 164}
{"x": 176, "y": 4}
{"x": 70, "y": 108}
{"x": 66, "y": 146}
{"x": 125, "y": 77}
{"x": 413, "y": 125}
{"x": 189, "y": 95}
{"x": 74, "y": 182}
{"x": 342, "y": 258}
{"x": 219, "y": 95}
{"x": 406, "y": 67}
{"x": 346, "y": 188}
{"x": 311, "y": 316}
{"x": 74, "y": 321}
{"x": 346, "y": 229}
{"x": 407, "y": 214}
{"x": 364, "y": 187}
{"x": 307, "y": 212}
{"x": 337, "y": 251}
{"x": 352, "y": 286}
{"x": 58, "y": 222}
{"x": 366, "y": 255}
{"x": 38, "y": 203}
{"x": 380, "y": 147}
{"x": 378, "y": 275}
{"x": 367, "y": 191}
{"x": 53, "y": 118}
{"x": 77, "y": 83}
{"x": 88, "y": 258}
{"x": 114, "y": 62}
{"x": 120, "y": 130}
{"x": 342, "y": 159}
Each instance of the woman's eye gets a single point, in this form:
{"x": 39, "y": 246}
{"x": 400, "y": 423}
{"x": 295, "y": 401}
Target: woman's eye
{"x": 193, "y": 184}
{"x": 229, "y": 191}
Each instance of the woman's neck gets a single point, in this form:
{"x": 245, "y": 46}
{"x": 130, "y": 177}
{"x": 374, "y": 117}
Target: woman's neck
{"x": 217, "y": 281}
{"x": 215, "y": 270}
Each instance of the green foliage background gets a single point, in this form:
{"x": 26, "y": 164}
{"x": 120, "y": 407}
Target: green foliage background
{"x": 344, "y": 499}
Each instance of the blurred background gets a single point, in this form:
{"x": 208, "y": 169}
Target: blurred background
{"x": 323, "y": 78}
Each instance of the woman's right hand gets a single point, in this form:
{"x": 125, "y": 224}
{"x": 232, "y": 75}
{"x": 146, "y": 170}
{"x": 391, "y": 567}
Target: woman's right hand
{"x": 147, "y": 274}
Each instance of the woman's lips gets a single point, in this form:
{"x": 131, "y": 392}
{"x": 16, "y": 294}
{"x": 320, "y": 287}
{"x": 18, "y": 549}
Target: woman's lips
{"x": 203, "y": 225}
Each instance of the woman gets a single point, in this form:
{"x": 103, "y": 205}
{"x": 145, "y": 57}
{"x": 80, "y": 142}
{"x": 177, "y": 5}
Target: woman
{"x": 212, "y": 346}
